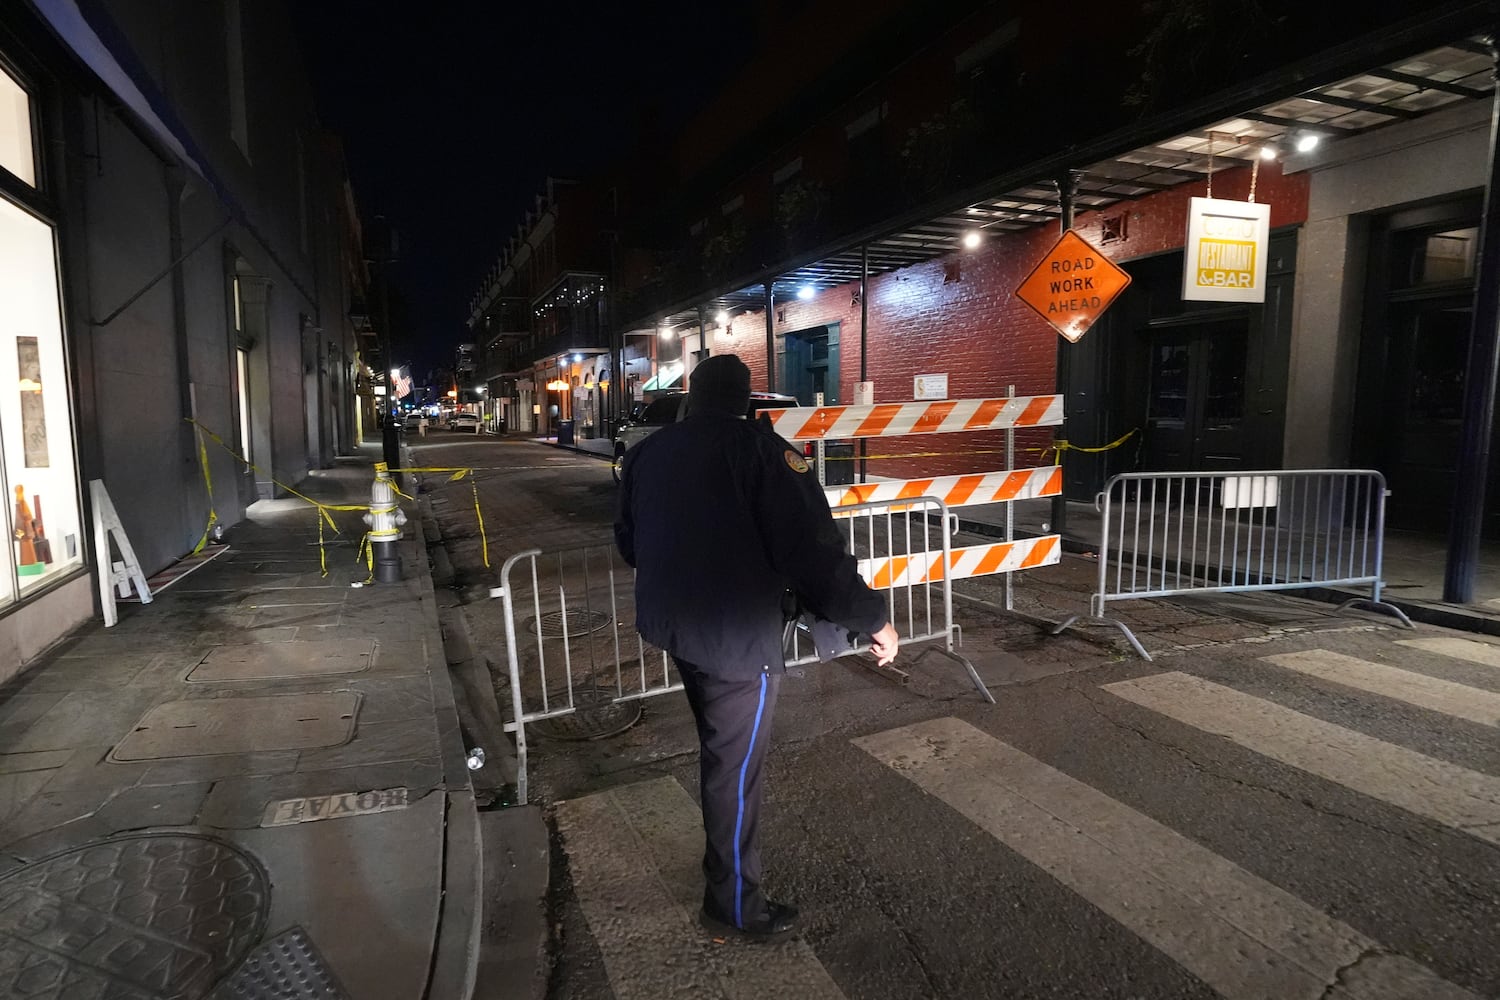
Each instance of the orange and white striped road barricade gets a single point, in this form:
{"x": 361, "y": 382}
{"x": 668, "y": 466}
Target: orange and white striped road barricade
{"x": 948, "y": 416}
{"x": 906, "y": 554}
{"x": 955, "y": 491}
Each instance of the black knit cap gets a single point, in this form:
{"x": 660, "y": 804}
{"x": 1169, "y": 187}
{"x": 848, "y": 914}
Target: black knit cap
{"x": 721, "y": 384}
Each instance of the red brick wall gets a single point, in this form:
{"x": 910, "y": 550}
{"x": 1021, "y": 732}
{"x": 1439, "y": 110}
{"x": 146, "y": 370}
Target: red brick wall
{"x": 959, "y": 315}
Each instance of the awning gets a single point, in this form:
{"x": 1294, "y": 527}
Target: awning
{"x": 135, "y": 92}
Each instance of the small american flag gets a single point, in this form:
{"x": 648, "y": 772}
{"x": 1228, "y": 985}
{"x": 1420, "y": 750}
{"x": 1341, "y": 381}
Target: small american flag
{"x": 403, "y": 386}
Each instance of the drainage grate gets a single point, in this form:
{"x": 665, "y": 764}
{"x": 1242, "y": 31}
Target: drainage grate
{"x": 597, "y": 715}
{"x": 579, "y": 622}
{"x": 286, "y": 967}
{"x": 140, "y": 918}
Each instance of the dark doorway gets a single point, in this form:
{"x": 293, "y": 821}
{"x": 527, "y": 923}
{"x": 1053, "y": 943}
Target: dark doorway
{"x": 1423, "y": 407}
{"x": 1414, "y": 350}
{"x": 807, "y": 363}
{"x": 1195, "y": 411}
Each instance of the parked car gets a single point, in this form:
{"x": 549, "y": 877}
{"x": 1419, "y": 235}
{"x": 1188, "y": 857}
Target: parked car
{"x": 413, "y": 420}
{"x": 465, "y": 422}
{"x": 670, "y": 408}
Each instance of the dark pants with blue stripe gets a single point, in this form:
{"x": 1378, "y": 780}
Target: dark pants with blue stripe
{"x": 734, "y": 729}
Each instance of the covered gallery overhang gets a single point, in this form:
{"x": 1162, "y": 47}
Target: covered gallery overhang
{"x": 1192, "y": 145}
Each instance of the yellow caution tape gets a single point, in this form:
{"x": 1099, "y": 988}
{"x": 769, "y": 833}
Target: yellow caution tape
{"x": 457, "y": 473}
{"x": 1061, "y": 445}
{"x": 484, "y": 541}
{"x": 365, "y": 551}
{"x": 322, "y": 508}
{"x": 208, "y": 483}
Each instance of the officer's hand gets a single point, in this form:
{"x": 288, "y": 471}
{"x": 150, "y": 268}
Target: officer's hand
{"x": 883, "y": 644}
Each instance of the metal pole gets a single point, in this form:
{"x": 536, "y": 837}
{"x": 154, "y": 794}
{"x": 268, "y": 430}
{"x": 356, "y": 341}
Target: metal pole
{"x": 390, "y": 443}
{"x": 819, "y": 451}
{"x": 1010, "y": 506}
{"x": 1060, "y": 502}
{"x": 770, "y": 335}
{"x": 703, "y": 350}
{"x": 1477, "y": 425}
{"x": 864, "y": 341}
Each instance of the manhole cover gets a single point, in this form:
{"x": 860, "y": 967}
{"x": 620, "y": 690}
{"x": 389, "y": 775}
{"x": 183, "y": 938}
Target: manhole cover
{"x": 578, "y": 623}
{"x": 597, "y": 715}
{"x": 133, "y": 918}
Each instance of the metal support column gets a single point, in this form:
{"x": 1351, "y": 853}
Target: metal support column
{"x": 864, "y": 341}
{"x": 770, "y": 335}
{"x": 1065, "y": 191}
{"x": 390, "y": 441}
{"x": 1477, "y": 426}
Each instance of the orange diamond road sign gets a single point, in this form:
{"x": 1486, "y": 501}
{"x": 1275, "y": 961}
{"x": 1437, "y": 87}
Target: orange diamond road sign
{"x": 1073, "y": 285}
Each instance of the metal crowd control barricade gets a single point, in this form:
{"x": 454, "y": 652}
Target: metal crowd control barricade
{"x": 571, "y": 643}
{"x": 576, "y": 646}
{"x": 894, "y": 544}
{"x": 1169, "y": 534}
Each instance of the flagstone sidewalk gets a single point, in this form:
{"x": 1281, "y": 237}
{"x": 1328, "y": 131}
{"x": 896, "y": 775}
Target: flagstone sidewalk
{"x": 258, "y": 774}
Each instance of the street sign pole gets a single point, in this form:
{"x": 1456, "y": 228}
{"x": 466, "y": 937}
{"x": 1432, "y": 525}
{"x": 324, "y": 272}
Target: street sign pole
{"x": 1065, "y": 193}
{"x": 1070, "y": 288}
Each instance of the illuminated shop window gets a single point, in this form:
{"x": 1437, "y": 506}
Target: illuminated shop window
{"x": 15, "y": 130}
{"x": 36, "y": 439}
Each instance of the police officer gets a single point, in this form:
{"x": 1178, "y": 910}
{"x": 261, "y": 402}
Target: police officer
{"x": 722, "y": 519}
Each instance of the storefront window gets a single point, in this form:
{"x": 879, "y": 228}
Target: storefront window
{"x": 36, "y": 440}
{"x": 15, "y": 130}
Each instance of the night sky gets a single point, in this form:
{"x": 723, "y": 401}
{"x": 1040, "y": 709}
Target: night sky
{"x": 453, "y": 114}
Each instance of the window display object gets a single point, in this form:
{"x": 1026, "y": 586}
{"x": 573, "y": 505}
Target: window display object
{"x": 34, "y": 552}
{"x": 33, "y": 411}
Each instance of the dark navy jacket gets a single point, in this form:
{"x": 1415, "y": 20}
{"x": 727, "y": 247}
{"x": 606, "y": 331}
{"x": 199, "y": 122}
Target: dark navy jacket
{"x": 721, "y": 517}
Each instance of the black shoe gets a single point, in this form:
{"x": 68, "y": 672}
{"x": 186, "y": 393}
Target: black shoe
{"x": 779, "y": 920}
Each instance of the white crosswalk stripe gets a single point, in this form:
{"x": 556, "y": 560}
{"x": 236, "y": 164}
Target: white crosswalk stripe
{"x": 1450, "y": 794}
{"x": 1457, "y": 700}
{"x": 1243, "y": 936}
{"x": 1484, "y": 653}
{"x": 644, "y": 916}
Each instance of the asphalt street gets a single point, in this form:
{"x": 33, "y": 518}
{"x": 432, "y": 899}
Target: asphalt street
{"x": 1286, "y": 803}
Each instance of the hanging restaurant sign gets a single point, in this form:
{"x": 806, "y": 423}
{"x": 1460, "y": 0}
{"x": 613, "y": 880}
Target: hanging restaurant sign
{"x": 1225, "y": 256}
{"x": 1073, "y": 285}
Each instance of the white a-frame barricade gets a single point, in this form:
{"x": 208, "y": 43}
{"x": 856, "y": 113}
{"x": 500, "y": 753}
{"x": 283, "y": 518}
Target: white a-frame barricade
{"x": 114, "y": 576}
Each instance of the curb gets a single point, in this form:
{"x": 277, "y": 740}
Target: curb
{"x": 499, "y": 948}
{"x": 456, "y": 939}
